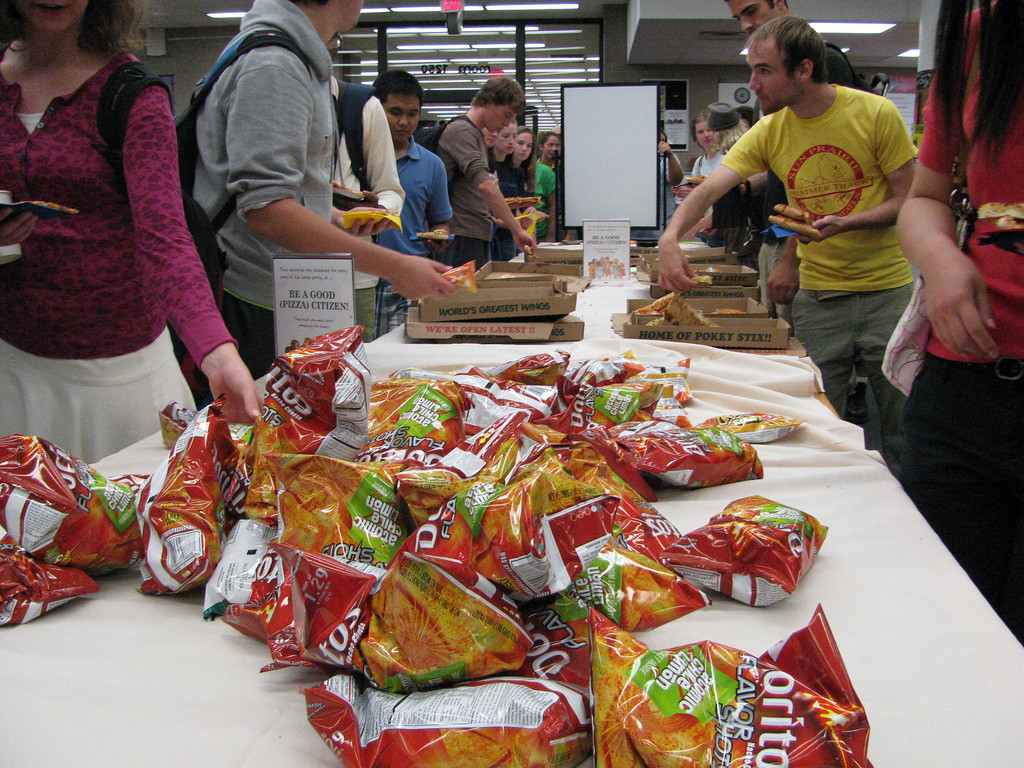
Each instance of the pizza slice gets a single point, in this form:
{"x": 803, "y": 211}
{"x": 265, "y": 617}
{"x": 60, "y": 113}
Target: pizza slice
{"x": 1003, "y": 215}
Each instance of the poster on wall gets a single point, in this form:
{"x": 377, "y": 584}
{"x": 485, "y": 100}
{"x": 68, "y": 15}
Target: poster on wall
{"x": 675, "y": 113}
{"x": 736, "y": 92}
{"x": 313, "y": 294}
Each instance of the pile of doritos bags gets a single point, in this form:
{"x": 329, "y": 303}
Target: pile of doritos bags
{"x": 466, "y": 555}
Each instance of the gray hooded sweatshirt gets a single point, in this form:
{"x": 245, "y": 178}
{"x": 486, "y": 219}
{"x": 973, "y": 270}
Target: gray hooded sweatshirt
{"x": 266, "y": 133}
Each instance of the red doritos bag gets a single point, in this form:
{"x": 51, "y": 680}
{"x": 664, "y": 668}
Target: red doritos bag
{"x": 505, "y": 721}
{"x": 61, "y": 511}
{"x": 181, "y": 508}
{"x": 317, "y": 400}
{"x": 756, "y": 551}
{"x": 28, "y": 588}
{"x": 706, "y": 705}
{"x": 688, "y": 458}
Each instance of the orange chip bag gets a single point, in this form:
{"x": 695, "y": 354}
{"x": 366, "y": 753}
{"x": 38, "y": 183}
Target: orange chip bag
{"x": 343, "y": 509}
{"x": 606, "y": 406}
{"x": 29, "y": 588}
{"x": 174, "y": 417}
{"x": 688, "y": 458}
{"x": 504, "y": 721}
{"x": 532, "y": 537}
{"x": 756, "y": 551}
{"x": 414, "y": 421}
{"x": 463, "y": 276}
{"x": 754, "y": 427}
{"x": 706, "y": 705}
{"x": 542, "y": 368}
{"x": 431, "y": 626}
{"x": 61, "y": 511}
{"x": 634, "y": 591}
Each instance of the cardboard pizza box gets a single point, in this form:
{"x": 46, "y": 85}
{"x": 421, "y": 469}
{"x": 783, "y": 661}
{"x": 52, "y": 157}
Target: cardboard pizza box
{"x": 713, "y": 292}
{"x": 730, "y": 333}
{"x": 731, "y": 306}
{"x": 494, "y": 330}
{"x": 503, "y": 295}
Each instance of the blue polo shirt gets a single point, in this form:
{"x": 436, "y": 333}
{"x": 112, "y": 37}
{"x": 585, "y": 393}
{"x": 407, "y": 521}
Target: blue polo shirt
{"x": 425, "y": 182}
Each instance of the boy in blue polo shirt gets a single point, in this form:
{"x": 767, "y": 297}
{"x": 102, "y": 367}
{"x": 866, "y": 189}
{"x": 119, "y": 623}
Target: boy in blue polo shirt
{"x": 423, "y": 178}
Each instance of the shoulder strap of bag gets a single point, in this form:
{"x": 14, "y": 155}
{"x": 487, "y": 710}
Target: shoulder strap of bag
{"x": 352, "y": 97}
{"x": 185, "y": 123}
{"x": 959, "y": 198}
{"x": 115, "y": 104}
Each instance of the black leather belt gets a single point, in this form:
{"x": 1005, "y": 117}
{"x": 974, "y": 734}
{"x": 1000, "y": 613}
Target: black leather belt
{"x": 1008, "y": 369}
{"x": 1005, "y": 368}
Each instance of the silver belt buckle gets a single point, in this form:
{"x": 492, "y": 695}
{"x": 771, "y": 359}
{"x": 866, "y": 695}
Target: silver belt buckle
{"x": 1009, "y": 368}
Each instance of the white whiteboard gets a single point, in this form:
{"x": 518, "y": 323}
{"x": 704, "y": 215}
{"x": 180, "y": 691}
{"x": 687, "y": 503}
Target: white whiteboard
{"x": 610, "y": 153}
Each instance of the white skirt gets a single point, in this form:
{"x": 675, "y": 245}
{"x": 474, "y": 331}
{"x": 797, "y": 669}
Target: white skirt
{"x": 91, "y": 408}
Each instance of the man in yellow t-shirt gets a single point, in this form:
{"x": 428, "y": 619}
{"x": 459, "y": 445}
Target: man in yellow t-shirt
{"x": 846, "y": 157}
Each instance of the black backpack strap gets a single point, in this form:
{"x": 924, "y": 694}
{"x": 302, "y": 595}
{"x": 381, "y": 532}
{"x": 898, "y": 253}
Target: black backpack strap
{"x": 116, "y": 99}
{"x": 185, "y": 123}
{"x": 352, "y": 97}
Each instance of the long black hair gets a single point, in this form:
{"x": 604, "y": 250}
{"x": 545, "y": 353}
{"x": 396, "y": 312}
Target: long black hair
{"x": 1000, "y": 66}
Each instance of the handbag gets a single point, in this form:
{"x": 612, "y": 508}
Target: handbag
{"x": 905, "y": 352}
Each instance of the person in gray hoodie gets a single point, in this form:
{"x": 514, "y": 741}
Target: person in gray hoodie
{"x": 267, "y": 136}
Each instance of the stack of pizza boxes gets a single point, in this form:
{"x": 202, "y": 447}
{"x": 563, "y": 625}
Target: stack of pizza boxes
{"x": 513, "y": 302}
{"x": 726, "y": 279}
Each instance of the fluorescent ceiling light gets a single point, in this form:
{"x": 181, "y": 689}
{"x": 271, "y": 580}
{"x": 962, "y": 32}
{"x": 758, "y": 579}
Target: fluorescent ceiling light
{"x": 226, "y": 14}
{"x": 850, "y": 27}
{"x": 488, "y": 60}
{"x": 912, "y": 53}
{"x": 429, "y": 8}
{"x": 534, "y": 7}
{"x": 505, "y": 46}
{"x": 374, "y": 10}
{"x": 435, "y": 47}
{"x": 561, "y": 79}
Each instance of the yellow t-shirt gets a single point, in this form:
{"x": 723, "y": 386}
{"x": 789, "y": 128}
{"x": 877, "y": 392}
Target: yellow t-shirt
{"x": 836, "y": 164}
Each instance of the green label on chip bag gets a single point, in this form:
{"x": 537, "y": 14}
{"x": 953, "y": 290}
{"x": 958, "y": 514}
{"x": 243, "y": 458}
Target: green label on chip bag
{"x": 619, "y": 405}
{"x": 721, "y": 438}
{"x": 425, "y": 412}
{"x": 472, "y": 502}
{"x": 374, "y": 510}
{"x": 601, "y": 585}
{"x": 683, "y": 681}
{"x": 411, "y": 681}
{"x": 118, "y": 501}
{"x": 779, "y": 515}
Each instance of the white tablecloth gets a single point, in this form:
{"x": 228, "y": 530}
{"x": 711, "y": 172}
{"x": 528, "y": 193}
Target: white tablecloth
{"x": 120, "y": 678}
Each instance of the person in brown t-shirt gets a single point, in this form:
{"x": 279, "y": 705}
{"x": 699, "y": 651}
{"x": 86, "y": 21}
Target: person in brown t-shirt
{"x": 473, "y": 190}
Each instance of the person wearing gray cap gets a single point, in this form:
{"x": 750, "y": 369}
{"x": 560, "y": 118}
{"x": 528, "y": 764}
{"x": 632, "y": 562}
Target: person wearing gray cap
{"x": 730, "y": 217}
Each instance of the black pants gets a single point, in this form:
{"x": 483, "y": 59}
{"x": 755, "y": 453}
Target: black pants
{"x": 253, "y": 329}
{"x": 465, "y": 249}
{"x": 963, "y": 466}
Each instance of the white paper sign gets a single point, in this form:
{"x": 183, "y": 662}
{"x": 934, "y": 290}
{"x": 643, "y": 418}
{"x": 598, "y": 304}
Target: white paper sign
{"x": 313, "y": 294}
{"x": 606, "y": 250}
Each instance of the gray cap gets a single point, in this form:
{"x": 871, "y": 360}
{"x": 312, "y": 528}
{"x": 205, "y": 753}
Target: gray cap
{"x": 722, "y": 116}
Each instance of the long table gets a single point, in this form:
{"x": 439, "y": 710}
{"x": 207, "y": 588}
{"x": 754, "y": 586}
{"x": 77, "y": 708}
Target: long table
{"x": 122, "y": 678}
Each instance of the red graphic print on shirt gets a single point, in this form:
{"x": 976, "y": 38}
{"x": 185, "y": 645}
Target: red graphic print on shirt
{"x": 827, "y": 181}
